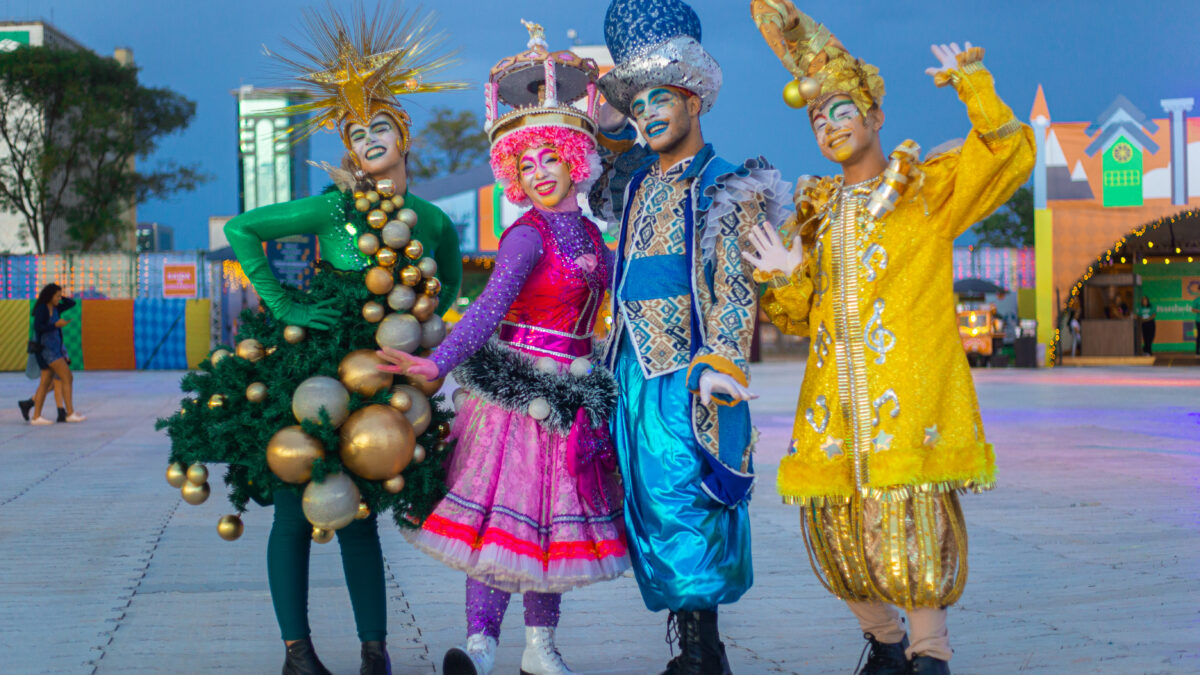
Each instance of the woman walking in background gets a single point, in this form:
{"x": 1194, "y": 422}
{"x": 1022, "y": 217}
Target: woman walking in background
{"x": 47, "y": 328}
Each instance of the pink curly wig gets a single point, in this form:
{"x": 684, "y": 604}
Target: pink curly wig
{"x": 576, "y": 148}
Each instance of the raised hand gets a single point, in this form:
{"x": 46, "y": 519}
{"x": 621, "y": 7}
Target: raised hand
{"x": 773, "y": 256}
{"x": 947, "y": 56}
{"x": 321, "y": 315}
{"x": 712, "y": 382}
{"x": 403, "y": 363}
{"x": 609, "y": 118}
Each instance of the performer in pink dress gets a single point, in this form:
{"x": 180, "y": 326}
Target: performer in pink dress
{"x": 534, "y": 504}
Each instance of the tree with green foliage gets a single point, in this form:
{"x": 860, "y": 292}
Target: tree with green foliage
{"x": 1011, "y": 225}
{"x": 72, "y": 126}
{"x": 447, "y": 144}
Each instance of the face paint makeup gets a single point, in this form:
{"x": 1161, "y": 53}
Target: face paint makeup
{"x": 545, "y": 177}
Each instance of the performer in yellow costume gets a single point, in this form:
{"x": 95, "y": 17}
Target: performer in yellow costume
{"x": 887, "y": 430}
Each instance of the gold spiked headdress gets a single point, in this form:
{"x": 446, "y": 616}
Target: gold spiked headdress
{"x": 820, "y": 64}
{"x": 356, "y": 67}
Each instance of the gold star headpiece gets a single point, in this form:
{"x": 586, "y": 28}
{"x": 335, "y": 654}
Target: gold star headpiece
{"x": 356, "y": 67}
{"x": 820, "y": 64}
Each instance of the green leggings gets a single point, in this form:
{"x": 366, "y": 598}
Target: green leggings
{"x": 287, "y": 571}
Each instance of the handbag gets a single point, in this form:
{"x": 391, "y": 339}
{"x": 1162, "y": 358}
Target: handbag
{"x": 33, "y": 347}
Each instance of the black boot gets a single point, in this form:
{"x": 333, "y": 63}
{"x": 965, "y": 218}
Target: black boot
{"x": 885, "y": 659}
{"x": 375, "y": 659}
{"x": 25, "y": 407}
{"x": 675, "y": 665}
{"x": 302, "y": 660}
{"x": 702, "y": 652}
{"x": 62, "y": 415}
{"x": 927, "y": 665}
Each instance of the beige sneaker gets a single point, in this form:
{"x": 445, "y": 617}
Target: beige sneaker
{"x": 40, "y": 421}
{"x": 76, "y": 417}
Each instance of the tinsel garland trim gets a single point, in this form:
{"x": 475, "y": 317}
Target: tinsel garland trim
{"x": 507, "y": 378}
{"x": 897, "y": 493}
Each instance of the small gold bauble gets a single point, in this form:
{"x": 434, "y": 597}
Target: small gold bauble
{"x": 230, "y": 527}
{"x": 387, "y": 206}
{"x": 427, "y": 387}
{"x": 294, "y": 334}
{"x": 419, "y": 412}
{"x": 359, "y": 194}
{"x": 810, "y": 88}
{"x": 376, "y": 218}
{"x": 368, "y": 243}
{"x": 362, "y": 205}
{"x": 410, "y": 276}
{"x": 414, "y": 250}
{"x": 322, "y": 536}
{"x": 359, "y": 372}
{"x": 443, "y": 430}
{"x": 428, "y": 267}
{"x": 256, "y": 392}
{"x": 394, "y": 484}
{"x": 364, "y": 511}
{"x": 419, "y": 454}
{"x": 219, "y": 356}
{"x": 251, "y": 350}
{"x": 400, "y": 400}
{"x": 194, "y": 494}
{"x": 408, "y": 217}
{"x": 216, "y": 401}
{"x": 386, "y": 257}
{"x": 792, "y": 96}
{"x": 377, "y": 442}
{"x": 372, "y": 196}
{"x": 197, "y": 474}
{"x": 432, "y": 287}
{"x": 398, "y": 201}
{"x": 412, "y": 83}
{"x": 177, "y": 475}
{"x": 372, "y": 312}
{"x": 385, "y": 187}
{"x": 424, "y": 308}
{"x": 291, "y": 453}
{"x": 379, "y": 280}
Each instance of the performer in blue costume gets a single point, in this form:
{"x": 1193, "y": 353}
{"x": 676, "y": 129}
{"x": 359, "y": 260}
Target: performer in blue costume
{"x": 684, "y": 308}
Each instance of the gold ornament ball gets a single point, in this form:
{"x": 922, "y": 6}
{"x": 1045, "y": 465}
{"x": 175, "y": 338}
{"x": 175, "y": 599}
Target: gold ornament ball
{"x": 294, "y": 334}
{"x": 408, "y": 217}
{"x": 317, "y": 392}
{"x": 291, "y": 453}
{"x": 428, "y": 267}
{"x": 387, "y": 206}
{"x": 376, "y": 218}
{"x": 792, "y": 96}
{"x": 372, "y": 196}
{"x": 364, "y": 511}
{"x": 379, "y": 280}
{"x": 399, "y": 331}
{"x": 216, "y": 401}
{"x": 419, "y": 412}
{"x": 372, "y": 312}
{"x": 401, "y": 298}
{"x": 177, "y": 475}
{"x": 386, "y": 188}
{"x": 810, "y": 88}
{"x": 195, "y": 494}
{"x": 400, "y": 400}
{"x": 433, "y": 332}
{"x": 377, "y": 442}
{"x": 410, "y": 276}
{"x": 396, "y": 234}
{"x": 427, "y": 387}
{"x": 443, "y": 429}
{"x": 230, "y": 527}
{"x": 197, "y": 474}
{"x": 368, "y": 243}
{"x": 424, "y": 308}
{"x": 418, "y": 454}
{"x": 398, "y": 201}
{"x": 322, "y": 535}
{"x": 219, "y": 356}
{"x": 359, "y": 372}
{"x": 386, "y": 257}
{"x": 256, "y": 392}
{"x": 331, "y": 504}
{"x": 362, "y": 205}
{"x": 359, "y": 194}
{"x": 251, "y": 350}
{"x": 414, "y": 250}
{"x": 394, "y": 484}
{"x": 432, "y": 287}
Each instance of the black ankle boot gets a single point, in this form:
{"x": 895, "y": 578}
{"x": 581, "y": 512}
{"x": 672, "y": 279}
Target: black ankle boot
{"x": 375, "y": 659}
{"x": 675, "y": 637}
{"x": 25, "y": 407}
{"x": 885, "y": 659}
{"x": 62, "y": 415}
{"x": 701, "y": 650}
{"x": 927, "y": 665}
{"x": 302, "y": 660}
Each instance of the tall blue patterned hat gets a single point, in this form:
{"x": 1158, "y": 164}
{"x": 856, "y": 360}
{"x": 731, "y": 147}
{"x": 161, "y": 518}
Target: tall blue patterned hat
{"x": 656, "y": 42}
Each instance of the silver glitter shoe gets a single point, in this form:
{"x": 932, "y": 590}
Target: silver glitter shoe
{"x": 477, "y": 658}
{"x": 541, "y": 656}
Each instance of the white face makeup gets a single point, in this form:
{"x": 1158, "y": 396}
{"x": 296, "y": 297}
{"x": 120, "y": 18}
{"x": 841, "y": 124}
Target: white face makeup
{"x": 662, "y": 115}
{"x": 377, "y": 146}
{"x": 841, "y": 130}
{"x": 545, "y": 177}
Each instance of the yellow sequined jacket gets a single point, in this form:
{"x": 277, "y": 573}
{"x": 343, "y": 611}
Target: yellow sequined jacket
{"x": 888, "y": 404}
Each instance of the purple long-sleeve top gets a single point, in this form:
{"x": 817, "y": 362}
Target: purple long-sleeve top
{"x": 519, "y": 253}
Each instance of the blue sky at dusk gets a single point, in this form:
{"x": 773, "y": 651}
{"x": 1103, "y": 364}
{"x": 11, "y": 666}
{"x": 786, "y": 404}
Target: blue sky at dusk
{"x": 1084, "y": 53}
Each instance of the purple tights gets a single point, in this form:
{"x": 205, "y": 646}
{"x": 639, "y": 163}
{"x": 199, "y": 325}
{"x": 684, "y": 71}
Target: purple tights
{"x": 486, "y": 607}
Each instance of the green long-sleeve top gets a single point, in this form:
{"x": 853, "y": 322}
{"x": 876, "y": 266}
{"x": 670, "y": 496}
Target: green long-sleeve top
{"x": 331, "y": 217}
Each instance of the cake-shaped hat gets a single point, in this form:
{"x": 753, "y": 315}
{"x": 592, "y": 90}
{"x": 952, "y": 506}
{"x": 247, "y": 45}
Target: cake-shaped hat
{"x": 656, "y": 42}
{"x": 541, "y": 87}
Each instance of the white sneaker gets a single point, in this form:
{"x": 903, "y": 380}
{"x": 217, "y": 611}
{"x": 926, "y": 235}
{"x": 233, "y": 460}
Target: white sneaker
{"x": 76, "y": 417}
{"x": 40, "y": 421}
{"x": 477, "y": 658}
{"x": 541, "y": 656}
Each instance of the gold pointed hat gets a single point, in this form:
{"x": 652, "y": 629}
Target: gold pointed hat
{"x": 358, "y": 66}
{"x": 820, "y": 64}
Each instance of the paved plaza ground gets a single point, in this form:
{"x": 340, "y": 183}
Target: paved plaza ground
{"x": 1086, "y": 559}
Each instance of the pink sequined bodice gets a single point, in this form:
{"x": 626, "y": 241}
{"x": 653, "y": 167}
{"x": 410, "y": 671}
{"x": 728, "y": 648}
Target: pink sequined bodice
{"x": 557, "y": 307}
